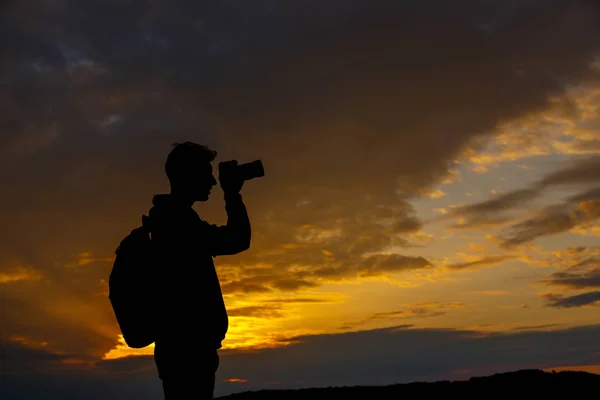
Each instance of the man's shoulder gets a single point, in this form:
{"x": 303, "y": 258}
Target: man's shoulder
{"x": 171, "y": 218}
{"x": 188, "y": 220}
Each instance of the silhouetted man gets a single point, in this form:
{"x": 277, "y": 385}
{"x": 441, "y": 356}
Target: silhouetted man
{"x": 192, "y": 317}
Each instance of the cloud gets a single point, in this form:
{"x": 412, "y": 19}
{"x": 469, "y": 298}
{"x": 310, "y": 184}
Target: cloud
{"x": 578, "y": 300}
{"x": 489, "y": 292}
{"x": 273, "y": 307}
{"x": 575, "y": 211}
{"x": 39, "y": 373}
{"x": 534, "y": 327}
{"x": 298, "y": 301}
{"x": 19, "y": 273}
{"x": 481, "y": 262}
{"x": 390, "y": 355}
{"x": 500, "y": 203}
{"x": 386, "y": 263}
{"x": 418, "y": 310}
{"x": 582, "y": 172}
{"x": 320, "y": 255}
{"x": 297, "y": 276}
{"x": 255, "y": 312}
{"x": 549, "y": 221}
{"x": 552, "y": 220}
{"x": 490, "y": 212}
{"x": 375, "y": 357}
{"x": 578, "y": 280}
{"x": 567, "y": 128}
{"x": 66, "y": 320}
{"x": 19, "y": 356}
{"x": 95, "y": 93}
{"x": 583, "y": 147}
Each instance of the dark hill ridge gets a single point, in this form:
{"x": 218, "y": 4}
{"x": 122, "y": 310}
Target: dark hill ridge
{"x": 524, "y": 383}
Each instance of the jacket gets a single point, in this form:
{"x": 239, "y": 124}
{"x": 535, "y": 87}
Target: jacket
{"x": 192, "y": 311}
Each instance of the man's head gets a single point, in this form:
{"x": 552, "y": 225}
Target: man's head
{"x": 190, "y": 171}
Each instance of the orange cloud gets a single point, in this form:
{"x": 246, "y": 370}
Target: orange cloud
{"x": 19, "y": 273}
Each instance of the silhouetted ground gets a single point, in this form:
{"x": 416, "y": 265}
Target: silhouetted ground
{"x": 520, "y": 384}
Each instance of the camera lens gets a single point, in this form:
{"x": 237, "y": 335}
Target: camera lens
{"x": 251, "y": 170}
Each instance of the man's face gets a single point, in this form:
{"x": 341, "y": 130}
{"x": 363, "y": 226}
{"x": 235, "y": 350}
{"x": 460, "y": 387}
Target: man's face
{"x": 201, "y": 181}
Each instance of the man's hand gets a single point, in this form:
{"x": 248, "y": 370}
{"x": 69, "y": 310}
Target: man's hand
{"x": 229, "y": 177}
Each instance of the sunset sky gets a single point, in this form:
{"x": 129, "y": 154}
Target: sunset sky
{"x": 430, "y": 207}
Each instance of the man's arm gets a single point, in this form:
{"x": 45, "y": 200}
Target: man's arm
{"x": 234, "y": 237}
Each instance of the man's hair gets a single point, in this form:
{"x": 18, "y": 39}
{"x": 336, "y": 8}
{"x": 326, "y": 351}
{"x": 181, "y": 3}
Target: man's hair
{"x": 184, "y": 156}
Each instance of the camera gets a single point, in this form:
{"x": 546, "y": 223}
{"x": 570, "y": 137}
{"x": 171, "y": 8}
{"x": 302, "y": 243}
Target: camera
{"x": 246, "y": 171}
{"x": 251, "y": 170}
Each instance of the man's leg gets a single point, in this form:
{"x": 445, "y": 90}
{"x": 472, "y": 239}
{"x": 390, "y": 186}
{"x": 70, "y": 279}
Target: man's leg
{"x": 198, "y": 388}
{"x": 195, "y": 379}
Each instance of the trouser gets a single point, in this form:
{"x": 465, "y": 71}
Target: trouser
{"x": 191, "y": 378}
{"x": 198, "y": 388}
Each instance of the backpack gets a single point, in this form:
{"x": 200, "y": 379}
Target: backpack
{"x": 132, "y": 287}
